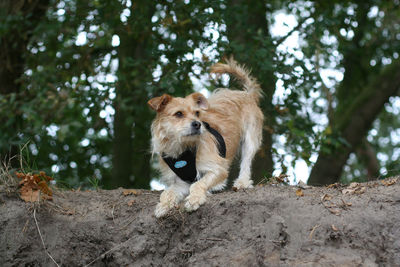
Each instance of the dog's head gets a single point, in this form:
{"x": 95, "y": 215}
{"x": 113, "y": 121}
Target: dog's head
{"x": 178, "y": 119}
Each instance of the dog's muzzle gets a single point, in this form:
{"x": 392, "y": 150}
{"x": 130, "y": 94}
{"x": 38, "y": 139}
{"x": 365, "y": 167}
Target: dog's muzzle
{"x": 195, "y": 128}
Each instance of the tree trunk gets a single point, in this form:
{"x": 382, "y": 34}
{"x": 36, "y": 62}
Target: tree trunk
{"x": 122, "y": 149}
{"x": 131, "y": 158}
{"x": 247, "y": 30}
{"x": 354, "y": 124}
{"x": 13, "y": 47}
{"x": 367, "y": 155}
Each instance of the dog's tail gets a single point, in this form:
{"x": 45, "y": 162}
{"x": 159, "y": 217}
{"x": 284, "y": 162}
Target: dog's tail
{"x": 249, "y": 83}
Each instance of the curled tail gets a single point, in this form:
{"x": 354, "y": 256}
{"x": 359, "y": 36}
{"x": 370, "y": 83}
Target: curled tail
{"x": 249, "y": 83}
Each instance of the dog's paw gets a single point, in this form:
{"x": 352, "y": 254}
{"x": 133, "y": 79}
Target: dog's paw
{"x": 194, "y": 201}
{"x": 161, "y": 210}
{"x": 243, "y": 183}
{"x": 168, "y": 200}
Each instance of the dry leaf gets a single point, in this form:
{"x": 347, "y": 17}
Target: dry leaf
{"x": 334, "y": 211}
{"x": 282, "y": 178}
{"x": 130, "y": 203}
{"x": 347, "y": 191}
{"x": 335, "y": 185}
{"x": 353, "y": 185}
{"x": 299, "y": 192}
{"x": 331, "y": 207}
{"x": 29, "y": 195}
{"x": 354, "y": 188}
{"x": 43, "y": 186}
{"x": 360, "y": 190}
{"x": 35, "y": 186}
{"x": 334, "y": 228}
{"x": 346, "y": 203}
{"x": 128, "y": 192}
{"x": 389, "y": 182}
{"x": 326, "y": 197}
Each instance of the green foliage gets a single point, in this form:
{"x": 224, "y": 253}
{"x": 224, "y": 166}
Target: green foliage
{"x": 84, "y": 63}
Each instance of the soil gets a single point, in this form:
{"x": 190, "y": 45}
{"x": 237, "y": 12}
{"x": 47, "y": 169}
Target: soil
{"x": 270, "y": 225}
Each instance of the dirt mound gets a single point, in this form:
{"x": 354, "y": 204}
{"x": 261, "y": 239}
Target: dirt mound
{"x": 267, "y": 225}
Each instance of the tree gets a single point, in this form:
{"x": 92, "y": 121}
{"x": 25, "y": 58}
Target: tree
{"x": 131, "y": 160}
{"x": 247, "y": 30}
{"x": 177, "y": 32}
{"x": 18, "y": 22}
{"x": 78, "y": 74}
{"x": 86, "y": 109}
{"x": 365, "y": 88}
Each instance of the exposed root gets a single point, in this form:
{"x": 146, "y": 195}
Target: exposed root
{"x": 41, "y": 238}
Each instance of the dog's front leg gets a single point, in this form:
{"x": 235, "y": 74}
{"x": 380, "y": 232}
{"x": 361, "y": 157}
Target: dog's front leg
{"x": 171, "y": 197}
{"x": 198, "y": 190}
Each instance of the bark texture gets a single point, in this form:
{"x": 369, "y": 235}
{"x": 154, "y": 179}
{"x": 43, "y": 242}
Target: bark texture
{"x": 354, "y": 123}
{"x": 131, "y": 158}
{"x": 367, "y": 155}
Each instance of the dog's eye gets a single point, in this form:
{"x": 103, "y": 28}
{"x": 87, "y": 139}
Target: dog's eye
{"x": 197, "y": 113}
{"x": 178, "y": 114}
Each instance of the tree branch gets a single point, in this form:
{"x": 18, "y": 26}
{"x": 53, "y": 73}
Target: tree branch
{"x": 354, "y": 124}
{"x": 298, "y": 26}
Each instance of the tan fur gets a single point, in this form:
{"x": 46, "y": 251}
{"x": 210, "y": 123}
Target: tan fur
{"x": 234, "y": 114}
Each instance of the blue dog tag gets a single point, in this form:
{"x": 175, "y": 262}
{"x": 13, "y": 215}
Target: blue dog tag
{"x": 180, "y": 164}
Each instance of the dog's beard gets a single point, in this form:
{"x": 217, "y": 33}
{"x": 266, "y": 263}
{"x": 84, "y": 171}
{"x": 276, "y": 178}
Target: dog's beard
{"x": 193, "y": 132}
{"x": 175, "y": 142}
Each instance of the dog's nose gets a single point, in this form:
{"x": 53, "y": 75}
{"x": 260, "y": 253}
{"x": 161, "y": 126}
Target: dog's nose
{"x": 196, "y": 125}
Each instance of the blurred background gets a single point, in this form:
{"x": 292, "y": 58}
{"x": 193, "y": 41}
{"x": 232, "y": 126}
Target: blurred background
{"x": 75, "y": 77}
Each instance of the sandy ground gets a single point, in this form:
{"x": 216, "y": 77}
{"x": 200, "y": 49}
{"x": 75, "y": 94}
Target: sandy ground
{"x": 269, "y": 225}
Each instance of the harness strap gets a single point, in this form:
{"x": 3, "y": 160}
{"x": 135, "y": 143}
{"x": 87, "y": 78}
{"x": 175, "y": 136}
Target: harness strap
{"x": 219, "y": 138}
{"x": 184, "y": 166}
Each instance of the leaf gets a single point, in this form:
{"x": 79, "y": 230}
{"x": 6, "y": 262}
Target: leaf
{"x": 128, "y": 192}
{"x": 353, "y": 185}
{"x": 334, "y": 211}
{"x": 346, "y": 204}
{"x": 335, "y": 185}
{"x": 34, "y": 187}
{"x": 43, "y": 186}
{"x": 29, "y": 195}
{"x": 354, "y": 188}
{"x": 299, "y": 192}
{"x": 328, "y": 130}
{"x": 326, "y": 197}
{"x": 389, "y": 182}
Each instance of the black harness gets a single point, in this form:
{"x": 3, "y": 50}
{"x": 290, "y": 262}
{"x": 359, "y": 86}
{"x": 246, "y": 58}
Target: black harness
{"x": 185, "y": 164}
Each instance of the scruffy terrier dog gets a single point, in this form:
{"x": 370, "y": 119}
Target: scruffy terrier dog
{"x": 196, "y": 139}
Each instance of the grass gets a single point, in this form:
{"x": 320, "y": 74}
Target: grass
{"x": 95, "y": 183}
{"x": 8, "y": 181}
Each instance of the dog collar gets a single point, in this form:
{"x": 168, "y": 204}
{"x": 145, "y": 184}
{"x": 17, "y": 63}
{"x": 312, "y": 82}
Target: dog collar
{"x": 185, "y": 164}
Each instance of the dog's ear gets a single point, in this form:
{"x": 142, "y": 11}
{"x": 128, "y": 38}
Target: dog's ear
{"x": 158, "y": 103}
{"x": 200, "y": 100}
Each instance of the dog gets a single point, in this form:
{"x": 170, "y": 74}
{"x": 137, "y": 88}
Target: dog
{"x": 196, "y": 139}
